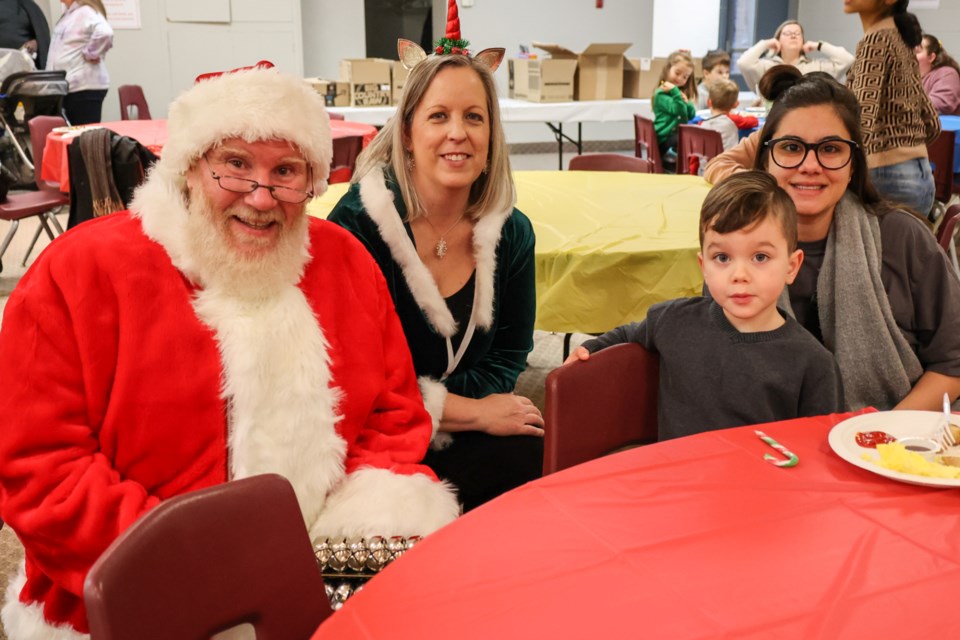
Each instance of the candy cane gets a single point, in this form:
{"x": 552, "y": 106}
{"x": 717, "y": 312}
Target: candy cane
{"x": 792, "y": 458}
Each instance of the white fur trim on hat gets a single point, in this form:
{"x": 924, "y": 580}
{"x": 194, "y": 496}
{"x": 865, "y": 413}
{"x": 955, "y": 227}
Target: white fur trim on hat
{"x": 253, "y": 104}
{"x": 377, "y": 502}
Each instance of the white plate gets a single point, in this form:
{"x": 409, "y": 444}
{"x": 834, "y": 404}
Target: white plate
{"x": 899, "y": 424}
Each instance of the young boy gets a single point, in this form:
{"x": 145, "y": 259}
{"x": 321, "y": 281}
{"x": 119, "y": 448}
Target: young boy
{"x": 716, "y": 66}
{"x": 724, "y": 98}
{"x": 735, "y": 359}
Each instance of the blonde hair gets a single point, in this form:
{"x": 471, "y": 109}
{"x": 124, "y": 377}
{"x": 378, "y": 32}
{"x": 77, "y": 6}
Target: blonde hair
{"x": 96, "y": 5}
{"x": 724, "y": 94}
{"x": 492, "y": 191}
{"x": 681, "y": 55}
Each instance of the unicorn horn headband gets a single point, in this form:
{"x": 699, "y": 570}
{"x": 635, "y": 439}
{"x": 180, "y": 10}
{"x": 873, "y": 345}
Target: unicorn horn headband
{"x": 451, "y": 44}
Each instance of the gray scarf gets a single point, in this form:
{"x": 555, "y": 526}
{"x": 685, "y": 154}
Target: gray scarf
{"x": 877, "y": 365}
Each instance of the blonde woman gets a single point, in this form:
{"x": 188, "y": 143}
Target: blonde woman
{"x": 432, "y": 200}
{"x": 81, "y": 39}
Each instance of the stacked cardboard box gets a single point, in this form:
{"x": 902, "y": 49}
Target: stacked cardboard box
{"x": 596, "y": 73}
{"x": 335, "y": 94}
{"x": 370, "y": 81}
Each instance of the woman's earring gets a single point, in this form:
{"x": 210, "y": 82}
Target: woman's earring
{"x": 411, "y": 163}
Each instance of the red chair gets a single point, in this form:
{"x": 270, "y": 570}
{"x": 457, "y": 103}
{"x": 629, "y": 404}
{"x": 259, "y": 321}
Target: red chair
{"x": 610, "y": 162}
{"x": 203, "y": 562}
{"x": 601, "y": 405}
{"x": 345, "y": 152}
{"x": 940, "y": 153}
{"x": 40, "y": 128}
{"x": 946, "y": 234}
{"x": 696, "y": 146}
{"x": 133, "y": 104}
{"x": 645, "y": 138}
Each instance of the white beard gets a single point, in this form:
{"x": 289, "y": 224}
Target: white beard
{"x": 222, "y": 267}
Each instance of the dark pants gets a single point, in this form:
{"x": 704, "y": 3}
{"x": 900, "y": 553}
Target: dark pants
{"x": 83, "y": 107}
{"x": 482, "y": 466}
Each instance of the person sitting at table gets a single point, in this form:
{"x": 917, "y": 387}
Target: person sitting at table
{"x": 716, "y": 66}
{"x": 433, "y": 201}
{"x": 734, "y": 358}
{"x": 940, "y": 74}
{"x": 724, "y": 98}
{"x": 875, "y": 286}
{"x": 787, "y": 46}
{"x": 674, "y": 103}
{"x": 213, "y": 332}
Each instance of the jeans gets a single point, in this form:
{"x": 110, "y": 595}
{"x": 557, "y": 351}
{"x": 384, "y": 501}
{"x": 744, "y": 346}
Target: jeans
{"x": 909, "y": 183}
{"x": 83, "y": 107}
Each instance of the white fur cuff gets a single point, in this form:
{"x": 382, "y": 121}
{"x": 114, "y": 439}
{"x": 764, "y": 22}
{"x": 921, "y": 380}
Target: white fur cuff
{"x": 434, "y": 395}
{"x": 25, "y": 621}
{"x": 377, "y": 502}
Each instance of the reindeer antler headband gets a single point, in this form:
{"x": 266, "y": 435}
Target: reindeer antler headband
{"x": 451, "y": 44}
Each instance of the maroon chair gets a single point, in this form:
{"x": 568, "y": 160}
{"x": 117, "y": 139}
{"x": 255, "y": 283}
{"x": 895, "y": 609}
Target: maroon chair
{"x": 696, "y": 146}
{"x": 601, "y": 405}
{"x": 940, "y": 153}
{"x": 40, "y": 128}
{"x": 345, "y": 152}
{"x": 335, "y": 116}
{"x": 206, "y": 561}
{"x": 133, "y": 104}
{"x": 645, "y": 138}
{"x": 610, "y": 162}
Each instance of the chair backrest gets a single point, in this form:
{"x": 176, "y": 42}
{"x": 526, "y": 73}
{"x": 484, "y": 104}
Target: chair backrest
{"x": 696, "y": 145}
{"x": 610, "y": 162}
{"x": 945, "y": 231}
{"x": 207, "y": 561}
{"x": 345, "y": 152}
{"x": 40, "y": 128}
{"x": 940, "y": 153}
{"x": 133, "y": 104}
{"x": 645, "y": 137}
{"x": 598, "y": 406}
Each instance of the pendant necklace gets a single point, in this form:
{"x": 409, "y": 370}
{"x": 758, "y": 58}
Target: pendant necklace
{"x": 440, "y": 249}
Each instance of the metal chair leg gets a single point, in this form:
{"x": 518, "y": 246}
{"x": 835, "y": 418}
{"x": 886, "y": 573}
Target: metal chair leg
{"x": 43, "y": 226}
{"x": 6, "y": 241}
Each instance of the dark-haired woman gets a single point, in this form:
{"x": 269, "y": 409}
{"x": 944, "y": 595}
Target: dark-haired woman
{"x": 874, "y": 286}
{"x": 941, "y": 75}
{"x": 897, "y": 118}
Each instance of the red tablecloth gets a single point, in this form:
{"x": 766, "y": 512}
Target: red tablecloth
{"x": 692, "y": 538}
{"x": 153, "y": 135}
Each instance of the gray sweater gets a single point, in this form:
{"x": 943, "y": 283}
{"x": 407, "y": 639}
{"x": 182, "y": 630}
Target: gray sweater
{"x": 714, "y": 377}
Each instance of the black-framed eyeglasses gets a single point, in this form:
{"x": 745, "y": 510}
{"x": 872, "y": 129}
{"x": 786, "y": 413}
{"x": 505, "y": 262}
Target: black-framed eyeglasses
{"x": 790, "y": 152}
{"x": 279, "y": 193}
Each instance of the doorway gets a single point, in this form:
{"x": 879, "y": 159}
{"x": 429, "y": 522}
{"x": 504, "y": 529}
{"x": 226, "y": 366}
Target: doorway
{"x": 387, "y": 20}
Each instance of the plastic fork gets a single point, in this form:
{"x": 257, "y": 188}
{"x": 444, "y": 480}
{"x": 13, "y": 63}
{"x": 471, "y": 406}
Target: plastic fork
{"x": 944, "y": 436}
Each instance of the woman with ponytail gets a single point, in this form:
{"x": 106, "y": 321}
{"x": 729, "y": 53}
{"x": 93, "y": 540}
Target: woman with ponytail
{"x": 897, "y": 117}
{"x": 941, "y": 76}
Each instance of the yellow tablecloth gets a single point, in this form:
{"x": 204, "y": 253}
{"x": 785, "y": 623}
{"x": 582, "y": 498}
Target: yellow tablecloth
{"x": 609, "y": 245}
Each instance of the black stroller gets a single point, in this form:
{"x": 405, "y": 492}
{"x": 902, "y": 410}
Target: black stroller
{"x": 23, "y": 95}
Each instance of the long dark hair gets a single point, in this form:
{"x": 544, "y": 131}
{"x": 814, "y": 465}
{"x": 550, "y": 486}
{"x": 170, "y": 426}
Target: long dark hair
{"x": 790, "y": 91}
{"x": 907, "y": 23}
{"x": 932, "y": 44}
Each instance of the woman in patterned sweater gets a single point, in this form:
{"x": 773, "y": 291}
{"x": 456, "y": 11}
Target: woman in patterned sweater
{"x": 897, "y": 117}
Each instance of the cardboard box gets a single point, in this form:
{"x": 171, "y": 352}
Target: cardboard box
{"x": 369, "y": 80}
{"x": 641, "y": 76}
{"x": 399, "y": 79}
{"x": 543, "y": 79}
{"x": 599, "y": 69}
{"x": 335, "y": 94}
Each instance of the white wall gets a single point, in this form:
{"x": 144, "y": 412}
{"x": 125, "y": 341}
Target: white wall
{"x": 700, "y": 31}
{"x": 332, "y": 29}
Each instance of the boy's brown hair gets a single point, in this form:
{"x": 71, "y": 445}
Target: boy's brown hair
{"x": 713, "y": 58}
{"x": 745, "y": 199}
{"x": 723, "y": 94}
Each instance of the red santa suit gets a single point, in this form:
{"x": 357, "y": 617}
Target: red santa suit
{"x": 127, "y": 381}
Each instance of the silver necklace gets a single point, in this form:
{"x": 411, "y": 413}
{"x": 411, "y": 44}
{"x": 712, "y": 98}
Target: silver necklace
{"x": 440, "y": 249}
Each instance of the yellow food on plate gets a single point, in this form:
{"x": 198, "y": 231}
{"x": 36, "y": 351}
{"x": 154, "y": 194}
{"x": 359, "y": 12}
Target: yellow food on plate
{"x": 895, "y": 457}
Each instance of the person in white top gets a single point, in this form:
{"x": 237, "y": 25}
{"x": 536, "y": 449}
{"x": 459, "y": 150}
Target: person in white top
{"x": 80, "y": 40}
{"x": 787, "y": 46}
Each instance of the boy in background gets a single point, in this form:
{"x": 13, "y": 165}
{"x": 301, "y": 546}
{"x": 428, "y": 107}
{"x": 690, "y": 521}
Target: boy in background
{"x": 716, "y": 66}
{"x": 724, "y": 98}
{"x": 734, "y": 358}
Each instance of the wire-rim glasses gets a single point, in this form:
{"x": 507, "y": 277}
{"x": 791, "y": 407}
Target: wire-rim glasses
{"x": 280, "y": 193}
{"x": 790, "y": 152}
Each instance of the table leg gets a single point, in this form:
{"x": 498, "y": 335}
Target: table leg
{"x": 561, "y": 136}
